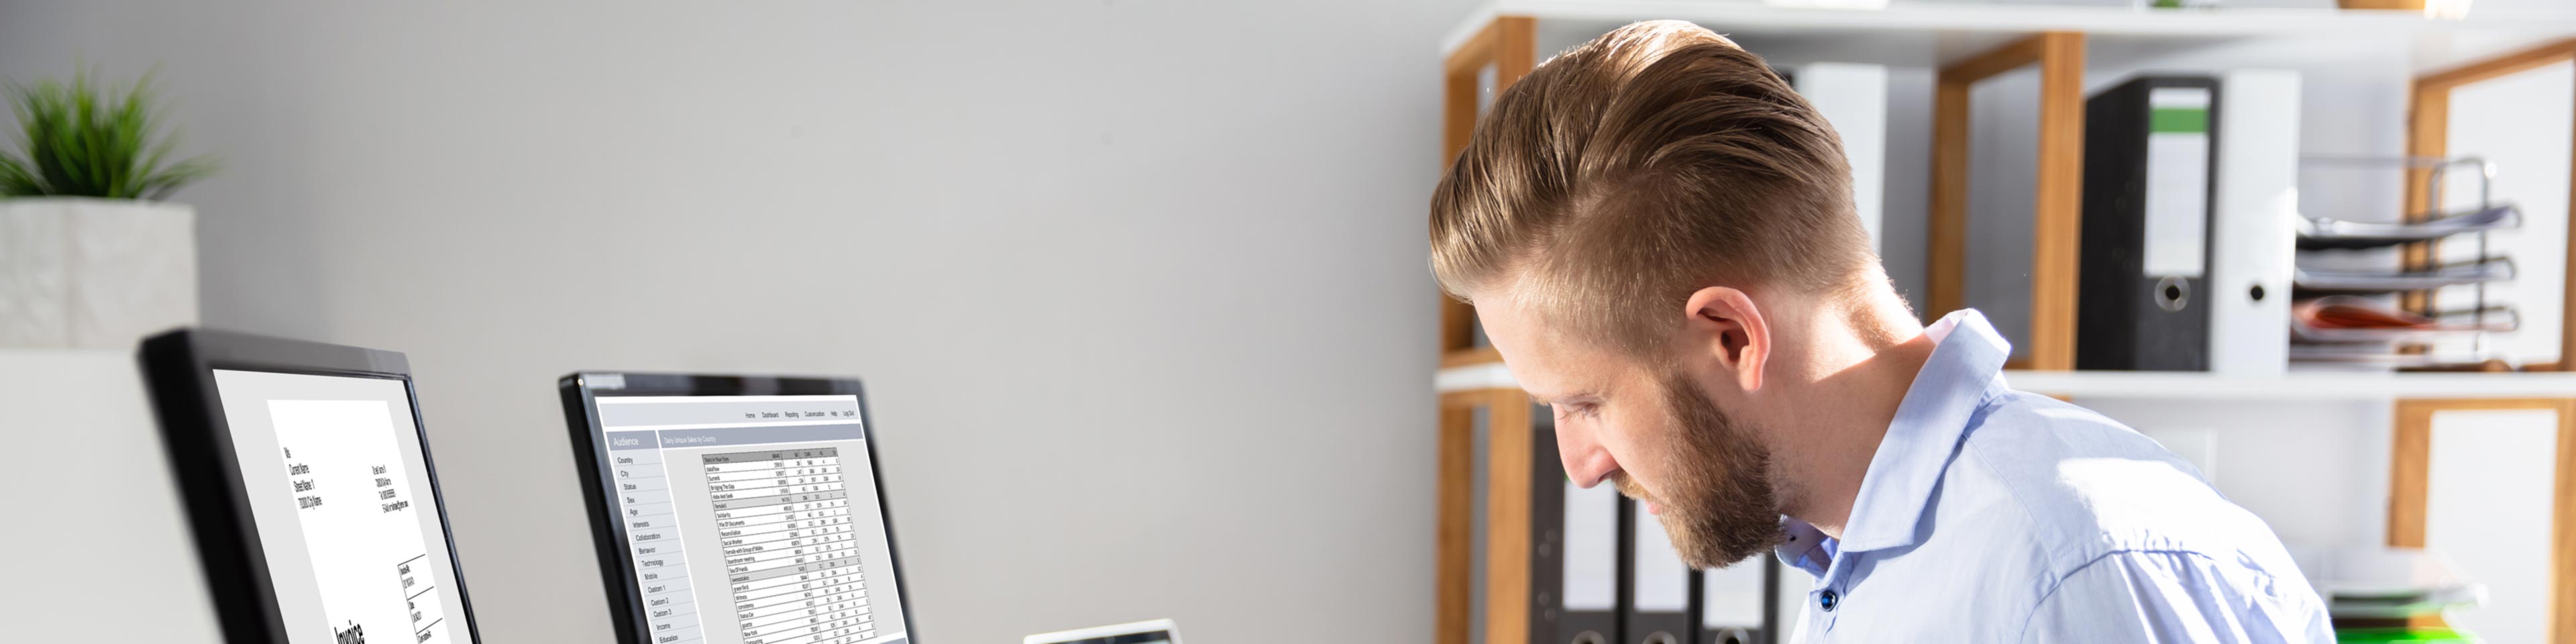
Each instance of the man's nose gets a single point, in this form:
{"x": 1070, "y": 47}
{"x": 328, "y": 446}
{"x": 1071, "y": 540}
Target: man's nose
{"x": 1586, "y": 461}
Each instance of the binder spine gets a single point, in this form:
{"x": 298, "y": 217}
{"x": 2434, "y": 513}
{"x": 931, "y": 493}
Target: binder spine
{"x": 1574, "y": 560}
{"x": 2149, "y": 164}
{"x": 1738, "y": 604}
{"x": 1547, "y": 534}
{"x": 1853, "y": 98}
{"x": 1628, "y": 626}
{"x": 1654, "y": 603}
{"x": 1771, "y": 622}
{"x": 2253, "y": 234}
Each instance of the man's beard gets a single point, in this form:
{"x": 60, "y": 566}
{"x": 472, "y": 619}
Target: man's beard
{"x": 1719, "y": 506}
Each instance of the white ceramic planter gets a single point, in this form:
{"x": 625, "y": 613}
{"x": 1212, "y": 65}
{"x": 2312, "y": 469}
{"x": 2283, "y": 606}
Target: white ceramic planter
{"x": 94, "y": 273}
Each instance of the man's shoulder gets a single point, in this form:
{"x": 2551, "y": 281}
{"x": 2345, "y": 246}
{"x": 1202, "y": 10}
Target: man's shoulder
{"x": 2089, "y": 487}
{"x": 2054, "y": 517}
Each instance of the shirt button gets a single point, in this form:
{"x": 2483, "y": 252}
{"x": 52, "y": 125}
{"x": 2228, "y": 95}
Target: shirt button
{"x": 1826, "y": 601}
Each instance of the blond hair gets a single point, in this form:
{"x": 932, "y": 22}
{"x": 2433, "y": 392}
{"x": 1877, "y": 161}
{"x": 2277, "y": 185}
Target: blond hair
{"x": 1615, "y": 180}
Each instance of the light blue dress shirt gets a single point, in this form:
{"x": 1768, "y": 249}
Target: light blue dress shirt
{"x": 1993, "y": 515}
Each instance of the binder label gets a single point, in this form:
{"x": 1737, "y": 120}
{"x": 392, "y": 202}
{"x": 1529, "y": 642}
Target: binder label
{"x": 2177, "y": 208}
{"x": 1732, "y": 596}
{"x": 1591, "y": 548}
{"x": 1662, "y": 580}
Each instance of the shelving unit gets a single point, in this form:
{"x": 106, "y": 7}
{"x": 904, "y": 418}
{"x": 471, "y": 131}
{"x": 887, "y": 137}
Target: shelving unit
{"x": 1904, "y": 32}
{"x": 2168, "y": 385}
{"x": 1965, "y": 44}
{"x": 1970, "y": 43}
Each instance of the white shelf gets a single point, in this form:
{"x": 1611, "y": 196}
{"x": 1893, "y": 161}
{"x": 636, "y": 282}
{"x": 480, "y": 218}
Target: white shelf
{"x": 1491, "y": 375}
{"x": 2295, "y": 386}
{"x": 1922, "y": 33}
{"x": 2200, "y": 386}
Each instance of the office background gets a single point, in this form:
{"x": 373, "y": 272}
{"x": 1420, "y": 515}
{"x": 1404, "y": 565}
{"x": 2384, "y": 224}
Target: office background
{"x": 1138, "y": 287}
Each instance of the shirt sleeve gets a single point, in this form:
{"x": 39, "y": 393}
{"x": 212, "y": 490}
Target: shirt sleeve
{"x": 2150, "y": 596}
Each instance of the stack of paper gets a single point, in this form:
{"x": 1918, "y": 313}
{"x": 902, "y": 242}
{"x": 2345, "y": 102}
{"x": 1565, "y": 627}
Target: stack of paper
{"x": 2327, "y": 233}
{"x": 2348, "y": 318}
{"x": 2371, "y": 587}
{"x": 2334, "y": 280}
{"x": 2354, "y": 332}
{"x": 2336, "y": 259}
{"x": 2404, "y": 635}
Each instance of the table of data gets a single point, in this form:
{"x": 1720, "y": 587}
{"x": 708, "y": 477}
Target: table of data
{"x": 661, "y": 561}
{"x": 790, "y": 554}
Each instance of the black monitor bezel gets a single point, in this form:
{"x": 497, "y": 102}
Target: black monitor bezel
{"x": 178, "y": 371}
{"x": 608, "y": 533}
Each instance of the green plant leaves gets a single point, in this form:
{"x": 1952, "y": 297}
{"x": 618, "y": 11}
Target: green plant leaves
{"x": 74, "y": 142}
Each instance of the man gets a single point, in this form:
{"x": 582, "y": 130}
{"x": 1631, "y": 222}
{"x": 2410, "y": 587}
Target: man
{"x": 1658, "y": 235}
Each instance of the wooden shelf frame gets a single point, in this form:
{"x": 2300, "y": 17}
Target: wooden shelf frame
{"x": 2428, "y": 123}
{"x": 1508, "y": 463}
{"x": 2058, "y": 211}
{"x": 1509, "y": 46}
{"x": 1977, "y": 26}
{"x": 2410, "y": 473}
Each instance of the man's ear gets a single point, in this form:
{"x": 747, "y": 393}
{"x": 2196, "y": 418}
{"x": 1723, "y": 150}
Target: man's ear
{"x": 1727, "y": 327}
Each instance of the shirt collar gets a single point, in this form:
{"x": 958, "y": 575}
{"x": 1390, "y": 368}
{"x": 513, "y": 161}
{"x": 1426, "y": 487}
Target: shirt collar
{"x": 1967, "y": 362}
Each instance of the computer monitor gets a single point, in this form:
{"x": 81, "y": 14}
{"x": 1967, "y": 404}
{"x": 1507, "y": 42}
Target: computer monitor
{"x": 307, "y": 478}
{"x": 1160, "y": 631}
{"x": 736, "y": 509}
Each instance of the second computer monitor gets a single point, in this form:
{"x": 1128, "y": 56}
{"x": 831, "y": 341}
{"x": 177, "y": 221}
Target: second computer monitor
{"x": 736, "y": 509}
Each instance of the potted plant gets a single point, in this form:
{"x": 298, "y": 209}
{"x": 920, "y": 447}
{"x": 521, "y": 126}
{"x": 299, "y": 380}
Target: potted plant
{"x": 90, "y": 255}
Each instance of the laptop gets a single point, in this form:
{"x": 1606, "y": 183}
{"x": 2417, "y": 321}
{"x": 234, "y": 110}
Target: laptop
{"x": 736, "y": 509}
{"x": 306, "y": 474}
{"x": 1160, "y": 631}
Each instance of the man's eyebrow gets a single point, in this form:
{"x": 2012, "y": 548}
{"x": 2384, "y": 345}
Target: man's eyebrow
{"x": 1555, "y": 400}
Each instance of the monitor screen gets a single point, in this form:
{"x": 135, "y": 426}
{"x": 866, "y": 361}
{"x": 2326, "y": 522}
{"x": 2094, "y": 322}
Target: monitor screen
{"x": 1155, "y": 637}
{"x": 751, "y": 519}
{"x": 1157, "y": 631}
{"x": 339, "y": 459}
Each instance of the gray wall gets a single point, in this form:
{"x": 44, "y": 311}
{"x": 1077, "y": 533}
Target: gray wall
{"x": 1138, "y": 286}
